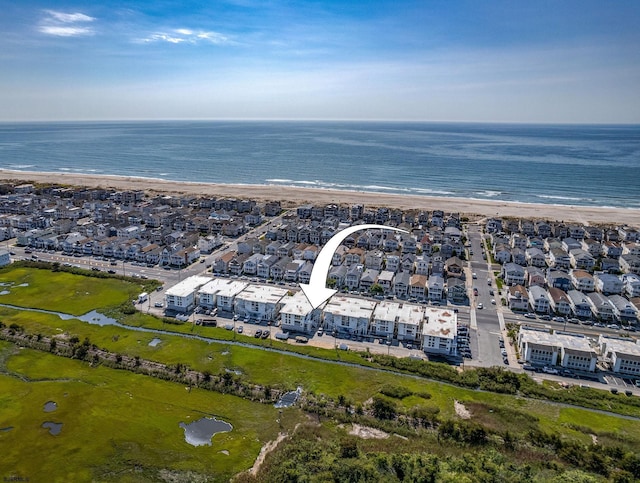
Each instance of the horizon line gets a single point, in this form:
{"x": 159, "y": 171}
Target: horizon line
{"x": 348, "y": 120}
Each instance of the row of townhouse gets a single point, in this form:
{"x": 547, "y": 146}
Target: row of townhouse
{"x": 417, "y": 240}
{"x": 572, "y": 303}
{"x": 582, "y": 280}
{"x": 380, "y": 216}
{"x": 434, "y": 329}
{"x": 559, "y": 258}
{"x": 543, "y": 229}
{"x": 576, "y": 352}
{"x": 51, "y": 212}
{"x": 354, "y": 277}
{"x": 574, "y": 247}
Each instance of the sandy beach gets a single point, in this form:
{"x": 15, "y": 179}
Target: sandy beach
{"x": 293, "y": 196}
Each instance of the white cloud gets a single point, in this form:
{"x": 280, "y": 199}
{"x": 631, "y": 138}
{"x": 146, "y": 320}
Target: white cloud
{"x": 61, "y": 31}
{"x": 61, "y": 24}
{"x": 183, "y": 35}
{"x": 69, "y": 17}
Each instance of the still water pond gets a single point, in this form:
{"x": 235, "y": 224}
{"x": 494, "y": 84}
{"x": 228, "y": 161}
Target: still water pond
{"x": 50, "y": 406}
{"x": 54, "y": 428}
{"x": 199, "y": 433}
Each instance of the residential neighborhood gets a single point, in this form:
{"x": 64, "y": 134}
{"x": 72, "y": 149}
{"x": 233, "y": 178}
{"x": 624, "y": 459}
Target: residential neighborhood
{"x": 398, "y": 288}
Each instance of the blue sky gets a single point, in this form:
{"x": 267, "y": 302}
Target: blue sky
{"x": 495, "y": 61}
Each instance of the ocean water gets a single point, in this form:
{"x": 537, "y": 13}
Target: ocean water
{"x": 594, "y": 165}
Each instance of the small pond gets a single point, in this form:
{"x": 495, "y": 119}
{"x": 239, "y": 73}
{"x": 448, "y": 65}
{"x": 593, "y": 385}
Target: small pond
{"x": 50, "y": 406}
{"x": 200, "y": 432}
{"x": 289, "y": 398}
{"x": 6, "y": 430}
{"x": 54, "y": 428}
{"x": 97, "y": 318}
{"x": 154, "y": 342}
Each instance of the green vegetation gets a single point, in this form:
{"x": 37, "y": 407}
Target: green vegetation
{"x": 512, "y": 438}
{"x": 119, "y": 426}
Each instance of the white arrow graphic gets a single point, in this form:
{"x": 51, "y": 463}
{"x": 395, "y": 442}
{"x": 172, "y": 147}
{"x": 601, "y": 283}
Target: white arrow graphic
{"x": 316, "y": 290}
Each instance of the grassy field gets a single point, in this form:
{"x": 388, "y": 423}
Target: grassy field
{"x": 61, "y": 291}
{"x": 137, "y": 417}
{"x": 119, "y": 426}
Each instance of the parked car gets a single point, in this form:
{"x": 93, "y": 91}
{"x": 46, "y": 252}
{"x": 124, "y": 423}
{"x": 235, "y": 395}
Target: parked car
{"x": 240, "y": 329}
{"x": 480, "y": 306}
{"x": 530, "y": 315}
{"x": 257, "y": 334}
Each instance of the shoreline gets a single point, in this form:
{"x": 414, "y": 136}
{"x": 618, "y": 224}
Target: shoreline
{"x": 291, "y": 196}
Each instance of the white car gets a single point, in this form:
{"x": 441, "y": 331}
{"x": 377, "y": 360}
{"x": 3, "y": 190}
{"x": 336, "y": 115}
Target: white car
{"x": 480, "y": 306}
{"x": 474, "y": 275}
{"x": 493, "y": 301}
